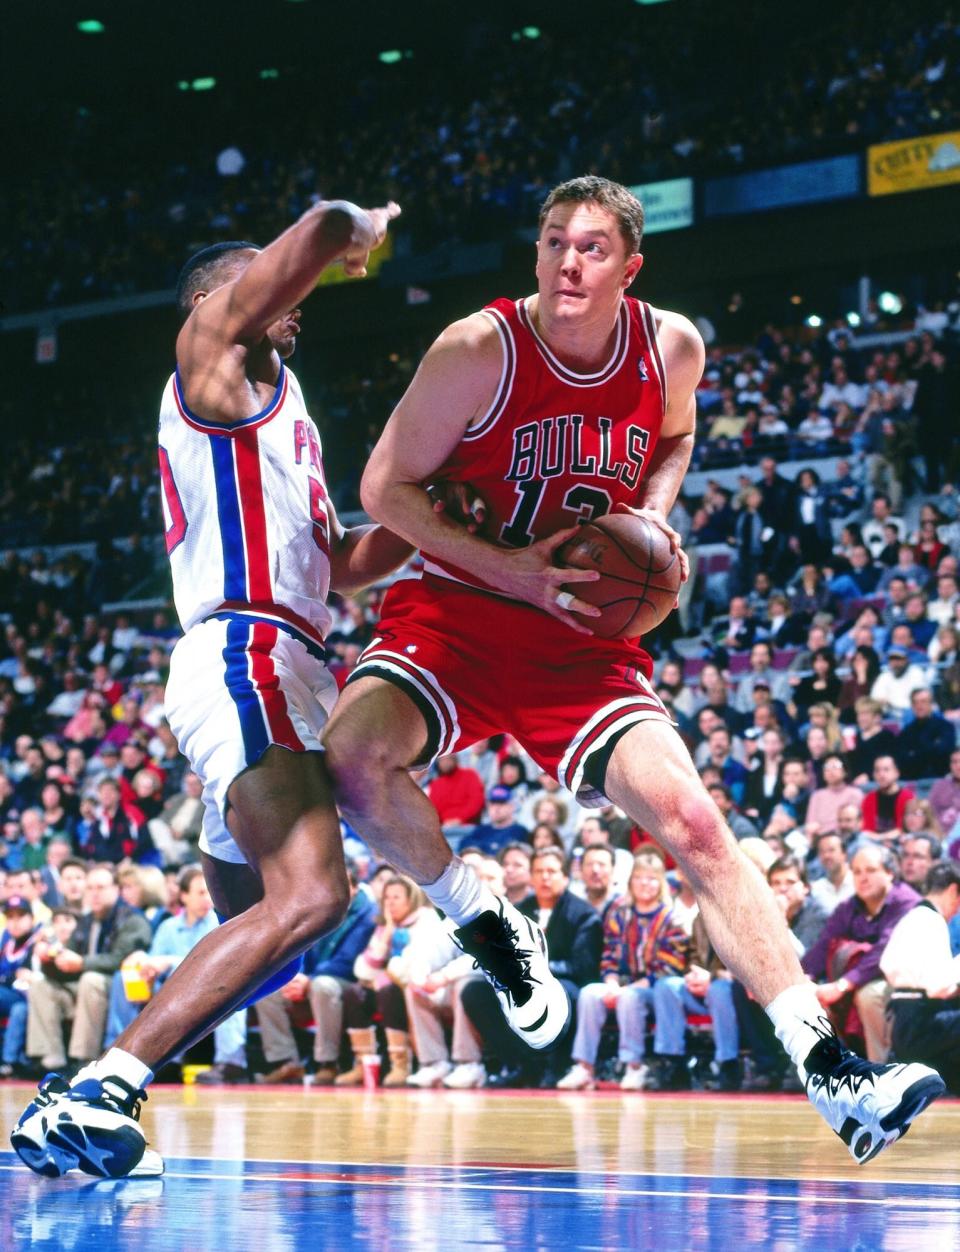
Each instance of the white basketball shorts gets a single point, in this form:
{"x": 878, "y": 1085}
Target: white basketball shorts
{"x": 239, "y": 683}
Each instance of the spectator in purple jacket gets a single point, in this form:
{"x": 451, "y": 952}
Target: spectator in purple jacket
{"x": 845, "y": 960}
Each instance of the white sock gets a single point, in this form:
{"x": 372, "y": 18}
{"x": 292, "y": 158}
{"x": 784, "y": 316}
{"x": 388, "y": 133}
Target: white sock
{"x": 117, "y": 1064}
{"x": 460, "y": 893}
{"x": 799, "y": 1019}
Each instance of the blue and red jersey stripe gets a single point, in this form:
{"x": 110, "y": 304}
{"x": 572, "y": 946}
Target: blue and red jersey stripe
{"x": 253, "y": 683}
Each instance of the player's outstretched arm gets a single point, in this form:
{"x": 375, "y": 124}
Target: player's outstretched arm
{"x": 455, "y": 384}
{"x": 286, "y": 271}
{"x": 683, "y": 362}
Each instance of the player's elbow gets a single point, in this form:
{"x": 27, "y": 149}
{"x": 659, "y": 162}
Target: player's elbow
{"x": 374, "y": 490}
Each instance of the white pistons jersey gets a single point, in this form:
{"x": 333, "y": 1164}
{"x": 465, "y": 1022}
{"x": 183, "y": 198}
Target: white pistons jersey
{"x": 245, "y": 511}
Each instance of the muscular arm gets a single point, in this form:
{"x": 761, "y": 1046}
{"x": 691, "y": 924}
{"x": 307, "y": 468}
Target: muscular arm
{"x": 456, "y": 383}
{"x": 231, "y": 322}
{"x": 362, "y": 555}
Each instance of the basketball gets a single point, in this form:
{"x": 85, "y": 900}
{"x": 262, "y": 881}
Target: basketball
{"x": 640, "y": 574}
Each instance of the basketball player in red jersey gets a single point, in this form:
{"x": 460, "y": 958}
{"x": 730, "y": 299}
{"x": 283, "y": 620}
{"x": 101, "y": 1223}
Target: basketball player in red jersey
{"x": 574, "y": 402}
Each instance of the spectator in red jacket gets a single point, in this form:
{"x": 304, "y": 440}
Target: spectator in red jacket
{"x": 883, "y": 808}
{"x": 456, "y": 793}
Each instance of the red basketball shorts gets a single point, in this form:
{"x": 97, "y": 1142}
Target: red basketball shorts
{"x": 477, "y": 665}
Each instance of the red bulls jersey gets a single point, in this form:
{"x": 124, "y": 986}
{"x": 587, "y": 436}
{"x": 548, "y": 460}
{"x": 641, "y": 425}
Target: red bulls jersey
{"x": 557, "y": 446}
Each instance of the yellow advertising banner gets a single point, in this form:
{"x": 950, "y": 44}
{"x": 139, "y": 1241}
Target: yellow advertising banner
{"x": 914, "y": 164}
{"x": 334, "y": 273}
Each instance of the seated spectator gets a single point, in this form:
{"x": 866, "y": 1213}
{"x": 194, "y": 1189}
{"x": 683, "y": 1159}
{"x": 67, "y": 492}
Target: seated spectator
{"x": 58, "y": 819}
{"x": 111, "y": 835}
{"x": 821, "y": 687}
{"x": 595, "y": 884}
{"x": 881, "y": 515}
{"x": 809, "y": 593}
{"x": 706, "y": 987}
{"x": 928, "y": 550}
{"x": 794, "y": 790}
{"x": 144, "y": 888}
{"x": 883, "y": 808}
{"x": 176, "y": 832}
{"x": 500, "y": 826}
{"x": 437, "y": 972}
{"x": 761, "y": 671}
{"x": 923, "y": 977}
{"x": 29, "y": 884}
{"x": 859, "y": 580}
{"x": 835, "y": 882}
{"x": 30, "y": 850}
{"x": 741, "y": 826}
{"x": 69, "y": 881}
{"x": 737, "y": 631}
{"x": 549, "y": 789}
{"x": 317, "y": 993}
{"x": 75, "y": 981}
{"x": 945, "y": 796}
{"x": 764, "y": 784}
{"x": 542, "y": 836}
{"x": 173, "y": 940}
{"x": 913, "y": 575}
{"x": 17, "y": 940}
{"x": 599, "y": 830}
{"x": 827, "y": 801}
{"x": 924, "y": 744}
{"x": 846, "y": 494}
{"x": 873, "y": 739}
{"x": 864, "y": 669}
{"x": 720, "y": 756}
{"x": 845, "y": 960}
{"x": 515, "y": 861}
{"x": 805, "y": 915}
{"x": 642, "y": 943}
{"x": 919, "y": 852}
{"x": 942, "y": 609}
{"x": 456, "y": 793}
{"x": 574, "y": 935}
{"x": 381, "y": 975}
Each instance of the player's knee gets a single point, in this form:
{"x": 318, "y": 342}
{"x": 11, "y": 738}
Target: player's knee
{"x": 356, "y": 762}
{"x": 697, "y": 834}
{"x": 307, "y": 916}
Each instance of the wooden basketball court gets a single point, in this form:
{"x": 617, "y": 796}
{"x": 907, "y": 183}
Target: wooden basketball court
{"x": 279, "y": 1170}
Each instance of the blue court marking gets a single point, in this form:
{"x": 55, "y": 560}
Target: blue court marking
{"x": 204, "y": 1205}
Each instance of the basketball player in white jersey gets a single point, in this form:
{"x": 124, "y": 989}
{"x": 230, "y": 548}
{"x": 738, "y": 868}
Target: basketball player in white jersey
{"x": 255, "y": 546}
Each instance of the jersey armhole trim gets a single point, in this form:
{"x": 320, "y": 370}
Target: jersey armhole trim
{"x": 231, "y": 428}
{"x": 507, "y": 373}
{"x": 653, "y": 339}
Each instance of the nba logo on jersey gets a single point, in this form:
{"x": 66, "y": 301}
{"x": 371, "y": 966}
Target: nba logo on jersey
{"x": 642, "y": 369}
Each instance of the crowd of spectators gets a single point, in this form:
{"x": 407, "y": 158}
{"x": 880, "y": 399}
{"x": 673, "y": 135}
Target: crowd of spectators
{"x": 486, "y": 127}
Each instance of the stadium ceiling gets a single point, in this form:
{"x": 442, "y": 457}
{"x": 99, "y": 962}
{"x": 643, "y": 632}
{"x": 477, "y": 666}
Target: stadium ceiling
{"x": 59, "y": 51}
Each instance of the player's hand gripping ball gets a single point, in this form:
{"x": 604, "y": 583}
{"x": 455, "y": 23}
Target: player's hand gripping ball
{"x": 640, "y": 574}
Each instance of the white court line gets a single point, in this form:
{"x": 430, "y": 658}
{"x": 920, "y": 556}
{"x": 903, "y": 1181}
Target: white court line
{"x": 603, "y": 1192}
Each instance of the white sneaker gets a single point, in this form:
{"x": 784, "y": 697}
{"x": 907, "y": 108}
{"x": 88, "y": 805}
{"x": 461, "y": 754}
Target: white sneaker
{"x": 430, "y": 1075}
{"x": 511, "y": 952}
{"x": 466, "y": 1075}
{"x": 577, "y": 1078}
{"x": 150, "y": 1165}
{"x": 634, "y": 1078}
{"x": 869, "y": 1106}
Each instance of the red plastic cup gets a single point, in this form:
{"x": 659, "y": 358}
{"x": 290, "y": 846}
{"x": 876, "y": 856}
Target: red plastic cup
{"x": 371, "y": 1072}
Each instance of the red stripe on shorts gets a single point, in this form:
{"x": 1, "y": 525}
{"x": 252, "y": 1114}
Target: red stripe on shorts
{"x": 263, "y": 672}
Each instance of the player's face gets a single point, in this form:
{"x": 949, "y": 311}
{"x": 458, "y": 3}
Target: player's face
{"x": 583, "y": 264}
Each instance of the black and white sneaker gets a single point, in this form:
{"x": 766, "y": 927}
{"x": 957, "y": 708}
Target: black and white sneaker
{"x": 511, "y": 952}
{"x": 29, "y": 1137}
{"x": 98, "y": 1122}
{"x": 869, "y": 1106}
